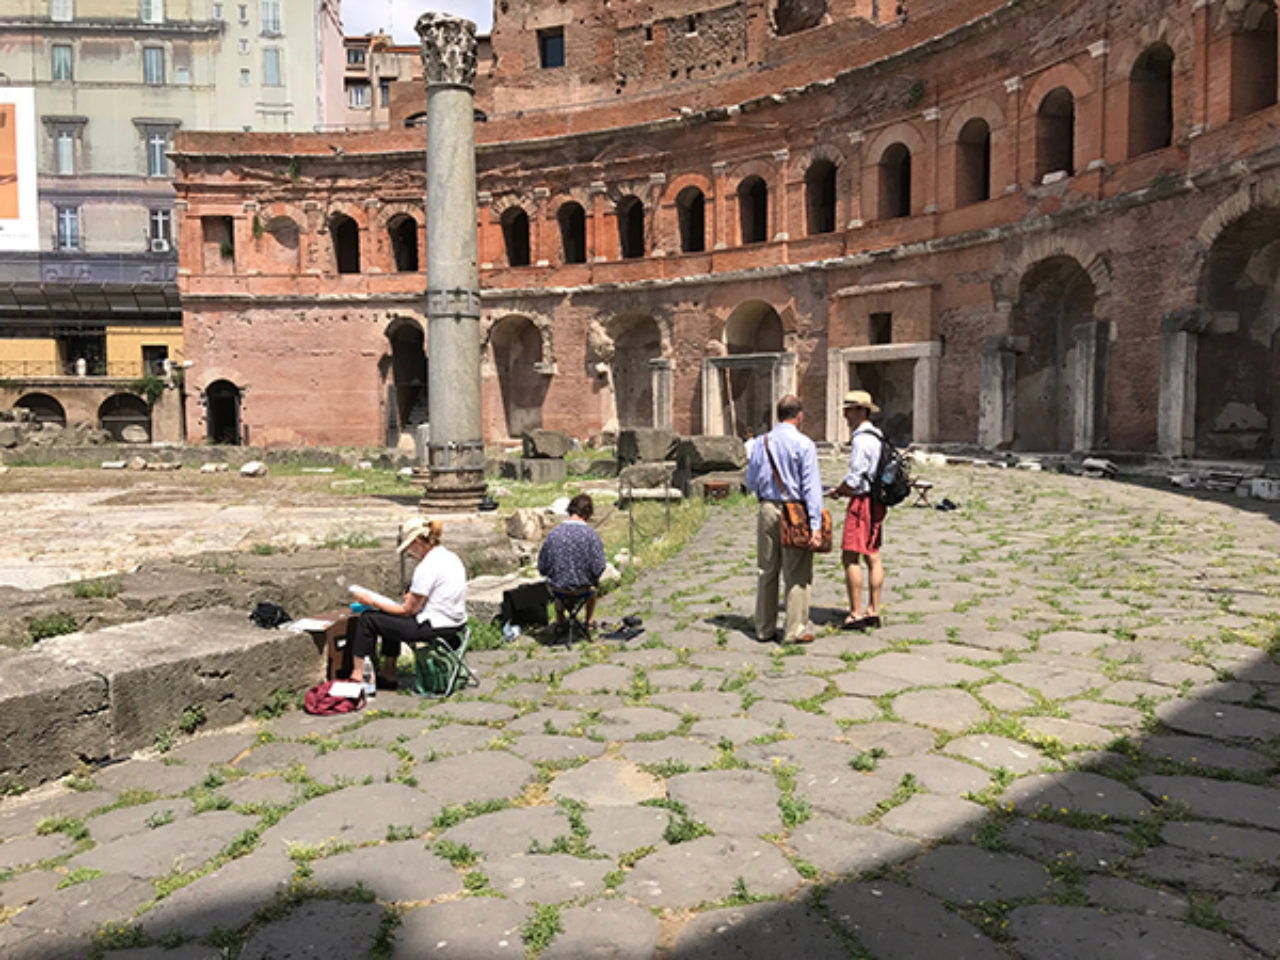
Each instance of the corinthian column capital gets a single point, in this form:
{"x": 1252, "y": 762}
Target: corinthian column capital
{"x": 448, "y": 50}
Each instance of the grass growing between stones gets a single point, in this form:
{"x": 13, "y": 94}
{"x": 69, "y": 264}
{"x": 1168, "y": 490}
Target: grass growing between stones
{"x": 541, "y": 928}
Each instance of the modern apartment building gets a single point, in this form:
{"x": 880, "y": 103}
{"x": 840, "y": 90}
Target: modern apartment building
{"x": 97, "y": 90}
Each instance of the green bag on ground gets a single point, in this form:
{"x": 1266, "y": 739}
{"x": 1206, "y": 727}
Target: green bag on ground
{"x": 431, "y": 673}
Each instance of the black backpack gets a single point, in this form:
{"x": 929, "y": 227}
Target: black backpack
{"x": 269, "y": 615}
{"x": 891, "y": 482}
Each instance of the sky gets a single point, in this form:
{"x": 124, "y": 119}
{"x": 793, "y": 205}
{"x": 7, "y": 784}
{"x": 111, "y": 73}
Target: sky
{"x": 397, "y": 17}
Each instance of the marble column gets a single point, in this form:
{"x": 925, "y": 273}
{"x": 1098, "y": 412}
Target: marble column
{"x": 454, "y": 471}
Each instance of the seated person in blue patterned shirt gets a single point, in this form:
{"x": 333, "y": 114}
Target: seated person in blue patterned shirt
{"x": 572, "y": 559}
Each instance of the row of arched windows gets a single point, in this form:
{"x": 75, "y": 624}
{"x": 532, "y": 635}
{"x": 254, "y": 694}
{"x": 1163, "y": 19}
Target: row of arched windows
{"x": 1150, "y": 128}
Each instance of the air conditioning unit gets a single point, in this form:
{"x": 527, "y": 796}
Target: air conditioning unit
{"x": 159, "y": 245}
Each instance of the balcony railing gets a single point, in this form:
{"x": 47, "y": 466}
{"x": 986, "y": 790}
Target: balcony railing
{"x": 118, "y": 369}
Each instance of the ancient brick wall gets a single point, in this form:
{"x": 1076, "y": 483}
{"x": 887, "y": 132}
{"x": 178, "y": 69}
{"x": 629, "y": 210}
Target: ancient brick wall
{"x": 913, "y": 187}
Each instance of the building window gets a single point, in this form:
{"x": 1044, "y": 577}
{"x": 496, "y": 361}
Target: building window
{"x": 346, "y": 243}
{"x": 881, "y": 328}
{"x": 157, "y": 147}
{"x": 820, "y": 197}
{"x": 1151, "y": 100}
{"x": 62, "y": 10}
{"x": 61, "y": 64}
{"x": 64, "y": 152}
{"x": 630, "y": 214}
{"x": 153, "y": 11}
{"x": 242, "y": 45}
{"x": 244, "y": 76}
{"x": 895, "y": 182}
{"x": 271, "y": 17}
{"x": 1253, "y": 60}
{"x": 271, "y": 68}
{"x": 358, "y": 96}
{"x": 242, "y": 12}
{"x": 691, "y": 211}
{"x": 217, "y": 11}
{"x": 355, "y": 56}
{"x": 154, "y": 357}
{"x": 551, "y": 47}
{"x": 973, "y": 163}
{"x": 68, "y": 228}
{"x": 1056, "y": 133}
{"x": 515, "y": 236}
{"x": 573, "y": 232}
{"x": 153, "y": 65}
{"x": 753, "y": 210}
{"x": 161, "y": 231}
{"x": 384, "y": 92}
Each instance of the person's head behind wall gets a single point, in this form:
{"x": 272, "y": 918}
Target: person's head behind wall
{"x": 419, "y": 530}
{"x": 789, "y": 408}
{"x": 582, "y": 506}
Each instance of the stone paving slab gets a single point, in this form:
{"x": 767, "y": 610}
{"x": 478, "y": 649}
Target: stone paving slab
{"x": 17, "y": 853}
{"x": 1221, "y": 720}
{"x": 875, "y": 912}
{"x": 404, "y": 871}
{"x": 1202, "y": 752}
{"x": 508, "y": 833}
{"x": 1113, "y": 893}
{"x": 706, "y": 870}
{"x": 1082, "y": 792}
{"x": 607, "y": 928}
{"x": 930, "y": 817}
{"x": 1241, "y": 803}
{"x": 225, "y": 899}
{"x": 319, "y": 930}
{"x": 57, "y": 926}
{"x": 546, "y": 878}
{"x": 180, "y": 846}
{"x": 730, "y": 802}
{"x": 964, "y": 874}
{"x": 842, "y": 848}
{"x": 759, "y": 930}
{"x": 693, "y": 753}
{"x": 1068, "y": 933}
{"x": 935, "y": 774}
{"x": 1048, "y": 842}
{"x": 1218, "y": 839}
{"x": 21, "y": 816}
{"x": 124, "y": 821}
{"x": 353, "y": 815}
{"x": 618, "y": 830}
{"x": 950, "y": 710}
{"x": 995, "y": 752}
{"x": 1191, "y": 871}
{"x": 462, "y": 930}
{"x": 1255, "y": 919}
{"x": 608, "y": 783}
{"x": 487, "y": 775}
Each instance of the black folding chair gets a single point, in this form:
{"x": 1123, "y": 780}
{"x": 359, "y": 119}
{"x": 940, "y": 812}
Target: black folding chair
{"x": 573, "y": 604}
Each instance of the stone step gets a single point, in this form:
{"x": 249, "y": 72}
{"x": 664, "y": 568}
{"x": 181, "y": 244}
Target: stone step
{"x": 87, "y": 697}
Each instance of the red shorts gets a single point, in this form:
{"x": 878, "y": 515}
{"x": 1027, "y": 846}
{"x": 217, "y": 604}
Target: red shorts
{"x": 862, "y": 525}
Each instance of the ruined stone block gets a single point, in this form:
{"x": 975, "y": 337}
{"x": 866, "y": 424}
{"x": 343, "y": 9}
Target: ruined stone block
{"x": 647, "y": 474}
{"x": 542, "y": 470}
{"x": 737, "y": 480}
{"x": 52, "y": 717}
{"x": 214, "y": 660}
{"x": 646, "y": 444}
{"x": 702, "y": 454}
{"x": 545, "y": 444}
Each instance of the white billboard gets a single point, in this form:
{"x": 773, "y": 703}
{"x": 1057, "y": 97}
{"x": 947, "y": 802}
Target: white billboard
{"x": 19, "y": 208}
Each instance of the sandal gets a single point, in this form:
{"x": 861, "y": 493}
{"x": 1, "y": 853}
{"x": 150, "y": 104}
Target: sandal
{"x": 853, "y": 623}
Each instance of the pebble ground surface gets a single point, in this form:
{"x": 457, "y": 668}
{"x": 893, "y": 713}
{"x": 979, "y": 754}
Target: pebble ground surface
{"x": 1063, "y": 743}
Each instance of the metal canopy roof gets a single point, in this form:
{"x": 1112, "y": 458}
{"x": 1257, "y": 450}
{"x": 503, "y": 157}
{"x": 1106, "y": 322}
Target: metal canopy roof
{"x": 32, "y": 301}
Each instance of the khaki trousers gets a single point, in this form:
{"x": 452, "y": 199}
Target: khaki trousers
{"x": 796, "y": 567}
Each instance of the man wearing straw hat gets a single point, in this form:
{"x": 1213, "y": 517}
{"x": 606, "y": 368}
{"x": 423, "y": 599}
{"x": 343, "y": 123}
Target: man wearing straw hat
{"x": 865, "y": 517}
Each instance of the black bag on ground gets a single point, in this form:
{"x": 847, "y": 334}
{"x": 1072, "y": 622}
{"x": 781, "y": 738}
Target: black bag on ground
{"x": 269, "y": 615}
{"x": 892, "y": 480}
{"x": 526, "y": 605}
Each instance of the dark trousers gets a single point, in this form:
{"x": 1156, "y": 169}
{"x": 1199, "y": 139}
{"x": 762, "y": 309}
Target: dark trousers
{"x": 395, "y": 630}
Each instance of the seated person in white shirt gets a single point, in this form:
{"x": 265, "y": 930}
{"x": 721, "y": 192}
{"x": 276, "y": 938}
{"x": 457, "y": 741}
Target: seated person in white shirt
{"x": 435, "y": 605}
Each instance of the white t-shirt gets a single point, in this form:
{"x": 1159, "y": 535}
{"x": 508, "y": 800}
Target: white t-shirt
{"x": 442, "y": 579}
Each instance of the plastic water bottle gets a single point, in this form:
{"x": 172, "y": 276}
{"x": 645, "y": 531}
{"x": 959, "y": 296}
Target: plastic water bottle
{"x": 366, "y": 675}
{"x": 510, "y": 631}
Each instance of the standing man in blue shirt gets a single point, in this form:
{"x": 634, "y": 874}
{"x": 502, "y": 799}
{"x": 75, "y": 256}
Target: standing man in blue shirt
{"x": 796, "y": 460}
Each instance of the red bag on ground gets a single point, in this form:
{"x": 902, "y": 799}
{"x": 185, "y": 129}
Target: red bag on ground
{"x": 323, "y": 703}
